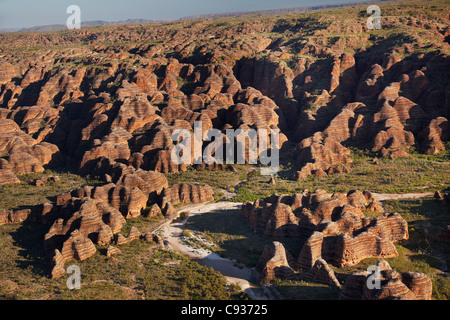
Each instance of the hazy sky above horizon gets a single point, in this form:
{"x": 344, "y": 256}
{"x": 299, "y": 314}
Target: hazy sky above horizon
{"x": 29, "y": 13}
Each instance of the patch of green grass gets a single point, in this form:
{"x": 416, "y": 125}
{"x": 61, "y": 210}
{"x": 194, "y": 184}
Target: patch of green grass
{"x": 219, "y": 180}
{"x": 188, "y": 280}
{"x": 24, "y": 263}
{"x": 142, "y": 223}
{"x": 415, "y": 173}
{"x": 25, "y": 195}
{"x": 141, "y": 271}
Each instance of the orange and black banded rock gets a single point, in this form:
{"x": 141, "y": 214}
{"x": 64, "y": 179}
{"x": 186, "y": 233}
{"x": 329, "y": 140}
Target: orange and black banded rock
{"x": 111, "y": 250}
{"x": 274, "y": 263}
{"x": 133, "y": 235}
{"x": 154, "y": 211}
{"x": 17, "y": 216}
{"x": 186, "y": 193}
{"x": 88, "y": 221}
{"x": 419, "y": 283}
{"x": 8, "y": 177}
{"x": 76, "y": 247}
{"x": 336, "y": 230}
{"x": 387, "y": 284}
{"x": 323, "y": 273}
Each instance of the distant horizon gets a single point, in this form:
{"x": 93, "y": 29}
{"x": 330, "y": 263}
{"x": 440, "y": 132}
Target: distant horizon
{"x": 53, "y": 12}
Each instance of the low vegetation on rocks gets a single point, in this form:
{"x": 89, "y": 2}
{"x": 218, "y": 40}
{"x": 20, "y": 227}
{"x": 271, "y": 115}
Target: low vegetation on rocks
{"x": 86, "y": 174}
{"x": 282, "y": 244}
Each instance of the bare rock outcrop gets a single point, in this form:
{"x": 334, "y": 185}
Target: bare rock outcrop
{"x": 274, "y": 263}
{"x": 14, "y": 216}
{"x": 435, "y": 134}
{"x": 73, "y": 238}
{"x": 319, "y": 153}
{"x": 76, "y": 247}
{"x": 113, "y": 146}
{"x": 386, "y": 284}
{"x": 186, "y": 193}
{"x": 8, "y": 177}
{"x": 7, "y": 72}
{"x": 109, "y": 105}
{"x": 22, "y": 154}
{"x": 336, "y": 229}
{"x": 112, "y": 250}
{"x": 133, "y": 235}
{"x": 322, "y": 272}
{"x": 292, "y": 215}
{"x": 133, "y": 191}
{"x": 351, "y": 239}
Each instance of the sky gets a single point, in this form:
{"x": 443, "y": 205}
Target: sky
{"x": 29, "y": 13}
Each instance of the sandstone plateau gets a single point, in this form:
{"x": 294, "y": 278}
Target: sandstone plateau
{"x": 105, "y": 102}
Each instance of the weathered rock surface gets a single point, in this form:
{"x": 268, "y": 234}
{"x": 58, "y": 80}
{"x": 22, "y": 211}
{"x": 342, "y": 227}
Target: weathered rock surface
{"x": 362, "y": 285}
{"x": 335, "y": 228}
{"x": 321, "y": 272}
{"x": 93, "y": 221}
{"x": 8, "y": 177}
{"x": 109, "y": 105}
{"x": 12, "y": 217}
{"x": 274, "y": 263}
{"x": 133, "y": 235}
{"x": 185, "y": 193}
{"x": 76, "y": 247}
{"x": 111, "y": 250}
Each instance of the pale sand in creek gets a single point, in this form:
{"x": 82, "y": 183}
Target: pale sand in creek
{"x": 243, "y": 276}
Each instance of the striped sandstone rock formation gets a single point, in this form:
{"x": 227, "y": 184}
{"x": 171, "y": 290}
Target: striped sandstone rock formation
{"x": 8, "y": 177}
{"x": 95, "y": 215}
{"x": 17, "y": 216}
{"x": 336, "y": 229}
{"x": 110, "y": 110}
{"x": 323, "y": 273}
{"x": 133, "y": 235}
{"x": 76, "y": 247}
{"x": 93, "y": 221}
{"x": 274, "y": 263}
{"x": 391, "y": 285}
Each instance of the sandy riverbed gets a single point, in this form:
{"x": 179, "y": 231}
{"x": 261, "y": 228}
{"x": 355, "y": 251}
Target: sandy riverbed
{"x": 243, "y": 276}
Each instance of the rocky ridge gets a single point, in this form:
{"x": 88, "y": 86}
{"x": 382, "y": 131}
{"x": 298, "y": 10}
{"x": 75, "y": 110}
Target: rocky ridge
{"x": 106, "y": 101}
{"x": 124, "y": 102}
{"x": 338, "y": 233}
